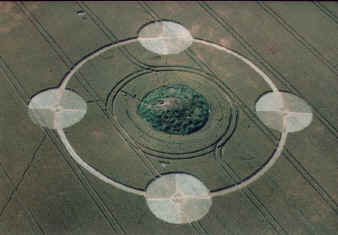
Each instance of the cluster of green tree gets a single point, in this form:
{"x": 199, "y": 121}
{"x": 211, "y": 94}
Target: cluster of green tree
{"x": 174, "y": 109}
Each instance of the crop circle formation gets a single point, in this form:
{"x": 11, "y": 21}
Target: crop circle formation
{"x": 172, "y": 108}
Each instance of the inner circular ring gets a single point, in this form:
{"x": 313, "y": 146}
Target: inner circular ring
{"x": 207, "y": 147}
{"x": 220, "y": 192}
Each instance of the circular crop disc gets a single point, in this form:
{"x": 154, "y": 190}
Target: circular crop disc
{"x": 220, "y": 192}
{"x": 165, "y": 37}
{"x": 178, "y": 198}
{"x": 56, "y": 108}
{"x": 297, "y": 112}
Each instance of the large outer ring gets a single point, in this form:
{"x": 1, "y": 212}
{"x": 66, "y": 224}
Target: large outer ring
{"x": 120, "y": 186}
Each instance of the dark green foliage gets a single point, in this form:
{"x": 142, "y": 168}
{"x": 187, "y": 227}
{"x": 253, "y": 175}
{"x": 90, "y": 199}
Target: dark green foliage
{"x": 174, "y": 109}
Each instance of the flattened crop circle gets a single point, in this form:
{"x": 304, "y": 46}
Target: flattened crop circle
{"x": 178, "y": 198}
{"x": 165, "y": 37}
{"x": 56, "y": 109}
{"x": 297, "y": 112}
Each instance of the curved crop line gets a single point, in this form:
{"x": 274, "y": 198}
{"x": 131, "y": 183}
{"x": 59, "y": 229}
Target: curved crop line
{"x": 92, "y": 56}
{"x": 245, "y": 60}
{"x": 91, "y": 170}
{"x": 283, "y": 137}
{"x": 62, "y": 135}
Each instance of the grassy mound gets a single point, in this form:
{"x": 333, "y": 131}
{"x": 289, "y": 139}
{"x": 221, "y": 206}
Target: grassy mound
{"x": 174, "y": 109}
